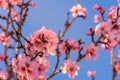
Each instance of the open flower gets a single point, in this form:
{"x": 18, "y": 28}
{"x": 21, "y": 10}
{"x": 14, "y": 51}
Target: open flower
{"x": 44, "y": 41}
{"x": 91, "y": 52}
{"x": 78, "y": 10}
{"x": 71, "y": 68}
{"x": 31, "y": 70}
{"x": 74, "y": 45}
{"x": 5, "y": 39}
{"x": 103, "y": 28}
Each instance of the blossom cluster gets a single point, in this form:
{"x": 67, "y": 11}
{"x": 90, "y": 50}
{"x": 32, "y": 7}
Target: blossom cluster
{"x": 69, "y": 44}
{"x": 30, "y": 70}
{"x": 33, "y": 63}
{"x": 44, "y": 41}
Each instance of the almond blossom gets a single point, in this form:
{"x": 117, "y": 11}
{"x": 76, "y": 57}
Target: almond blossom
{"x": 115, "y": 33}
{"x": 62, "y": 47}
{"x": 103, "y": 28}
{"x": 15, "y": 15}
{"x": 5, "y": 39}
{"x": 30, "y": 51}
{"x": 78, "y": 10}
{"x": 44, "y": 41}
{"x": 112, "y": 14}
{"x": 108, "y": 42}
{"x": 30, "y": 70}
{"x": 71, "y": 68}
{"x": 91, "y": 52}
{"x": 71, "y": 44}
{"x": 43, "y": 67}
{"x": 74, "y": 45}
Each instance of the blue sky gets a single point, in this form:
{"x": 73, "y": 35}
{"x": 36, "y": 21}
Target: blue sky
{"x": 52, "y": 14}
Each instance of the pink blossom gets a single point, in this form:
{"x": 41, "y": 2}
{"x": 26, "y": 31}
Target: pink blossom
{"x": 62, "y": 47}
{"x": 69, "y": 44}
{"x": 103, "y": 28}
{"x": 31, "y": 70}
{"x": 115, "y": 33}
{"x": 113, "y": 13}
{"x": 96, "y": 7}
{"x": 91, "y": 52}
{"x": 16, "y": 2}
{"x": 96, "y": 18}
{"x": 24, "y": 67}
{"x": 15, "y": 15}
{"x": 3, "y": 75}
{"x": 45, "y": 41}
{"x": 117, "y": 67}
{"x": 74, "y": 45}
{"x": 5, "y": 39}
{"x": 33, "y": 4}
{"x": 43, "y": 67}
{"x": 78, "y": 10}
{"x": 91, "y": 73}
{"x": 3, "y": 4}
{"x": 109, "y": 42}
{"x": 30, "y": 51}
{"x": 71, "y": 68}
{"x": 88, "y": 33}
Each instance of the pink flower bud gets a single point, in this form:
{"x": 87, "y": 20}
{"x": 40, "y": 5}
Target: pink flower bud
{"x": 96, "y": 7}
{"x": 96, "y": 18}
{"x": 33, "y": 4}
{"x": 90, "y": 28}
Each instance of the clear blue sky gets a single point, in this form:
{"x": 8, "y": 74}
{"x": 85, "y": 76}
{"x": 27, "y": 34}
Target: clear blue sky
{"x": 52, "y": 14}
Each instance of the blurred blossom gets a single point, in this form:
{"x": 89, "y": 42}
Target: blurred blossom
{"x": 5, "y": 39}
{"x": 96, "y": 18}
{"x": 91, "y": 73}
{"x": 33, "y": 4}
{"x": 16, "y": 2}
{"x": 3, "y": 75}
{"x": 96, "y": 7}
{"x": 31, "y": 70}
{"x": 117, "y": 67}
